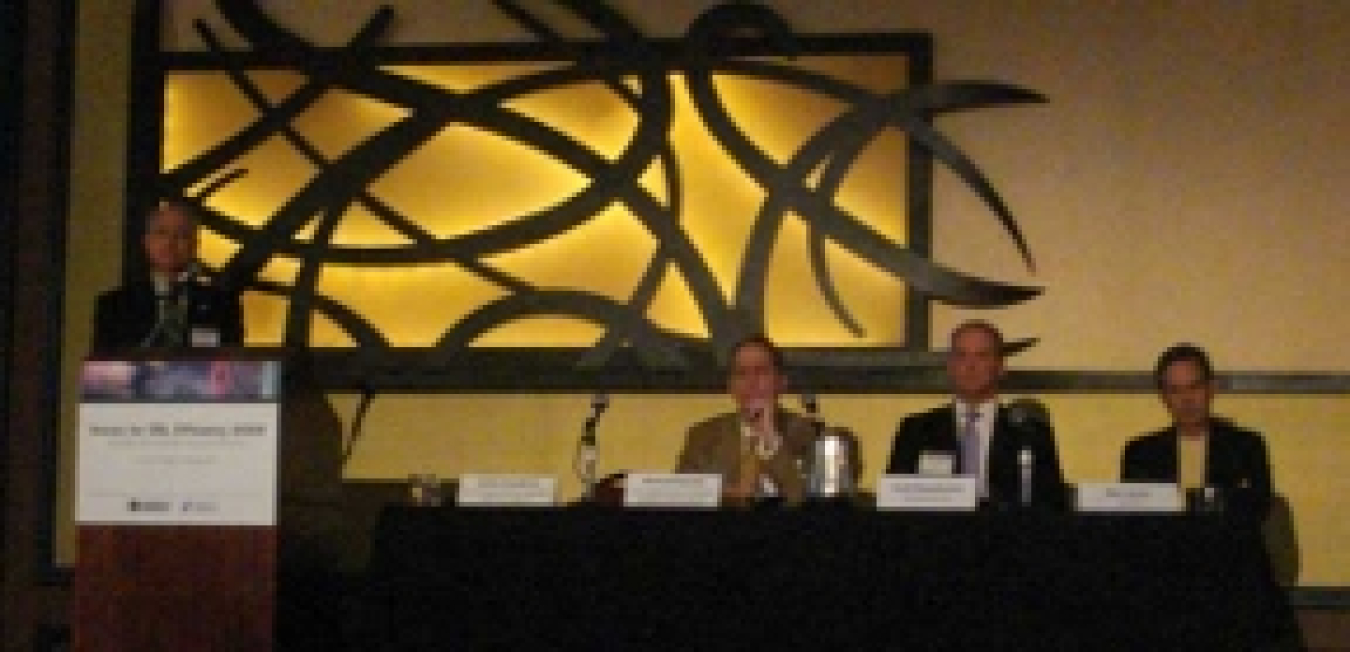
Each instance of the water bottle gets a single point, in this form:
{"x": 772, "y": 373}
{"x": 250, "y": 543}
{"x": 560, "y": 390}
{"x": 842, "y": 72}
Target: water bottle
{"x": 831, "y": 471}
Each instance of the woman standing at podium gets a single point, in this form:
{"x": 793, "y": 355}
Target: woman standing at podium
{"x": 172, "y": 305}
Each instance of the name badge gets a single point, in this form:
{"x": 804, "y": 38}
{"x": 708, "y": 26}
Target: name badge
{"x": 506, "y": 490}
{"x": 936, "y": 464}
{"x": 927, "y": 493}
{"x": 203, "y": 337}
{"x": 1128, "y": 497}
{"x": 686, "y": 490}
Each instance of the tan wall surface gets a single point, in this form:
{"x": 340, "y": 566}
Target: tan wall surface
{"x": 1185, "y": 182}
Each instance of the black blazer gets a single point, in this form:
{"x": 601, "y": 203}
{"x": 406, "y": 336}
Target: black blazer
{"x": 935, "y": 431}
{"x": 1235, "y": 463}
{"x": 125, "y": 316}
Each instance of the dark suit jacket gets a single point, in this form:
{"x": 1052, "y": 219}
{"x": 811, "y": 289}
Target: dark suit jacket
{"x": 1235, "y": 463}
{"x": 125, "y": 316}
{"x": 934, "y": 431}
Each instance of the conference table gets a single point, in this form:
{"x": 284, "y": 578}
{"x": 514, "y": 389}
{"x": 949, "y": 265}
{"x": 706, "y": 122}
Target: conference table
{"x": 823, "y": 578}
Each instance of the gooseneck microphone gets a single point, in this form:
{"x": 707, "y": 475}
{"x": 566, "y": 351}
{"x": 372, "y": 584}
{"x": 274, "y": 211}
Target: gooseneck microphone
{"x": 809, "y": 404}
{"x": 174, "y": 309}
{"x": 812, "y": 408}
{"x": 1028, "y": 413}
{"x": 586, "y": 450}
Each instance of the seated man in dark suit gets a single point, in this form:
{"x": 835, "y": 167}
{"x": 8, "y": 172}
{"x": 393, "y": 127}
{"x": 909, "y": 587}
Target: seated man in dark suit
{"x": 171, "y": 306}
{"x": 760, "y": 449}
{"x": 1199, "y": 449}
{"x": 974, "y": 435}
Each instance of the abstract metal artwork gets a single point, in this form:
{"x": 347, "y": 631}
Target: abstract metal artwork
{"x": 285, "y": 249}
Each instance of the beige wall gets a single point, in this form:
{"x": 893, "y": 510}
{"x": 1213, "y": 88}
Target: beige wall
{"x": 1185, "y": 182}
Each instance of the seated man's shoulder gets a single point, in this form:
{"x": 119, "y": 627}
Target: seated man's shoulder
{"x": 925, "y": 417}
{"x": 1225, "y": 425}
{"x": 713, "y": 422}
{"x": 1149, "y": 438}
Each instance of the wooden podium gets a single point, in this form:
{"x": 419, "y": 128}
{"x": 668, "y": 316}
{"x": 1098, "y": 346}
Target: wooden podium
{"x": 143, "y": 587}
{"x": 164, "y": 563}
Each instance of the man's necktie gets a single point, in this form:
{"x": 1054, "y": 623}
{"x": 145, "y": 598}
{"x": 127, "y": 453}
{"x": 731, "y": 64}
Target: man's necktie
{"x": 970, "y": 443}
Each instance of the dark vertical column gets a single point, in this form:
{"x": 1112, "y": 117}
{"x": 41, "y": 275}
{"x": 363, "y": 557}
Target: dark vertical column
{"x": 37, "y": 51}
{"x": 11, "y": 99}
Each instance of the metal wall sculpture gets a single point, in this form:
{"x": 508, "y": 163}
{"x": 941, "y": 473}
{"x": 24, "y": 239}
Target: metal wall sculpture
{"x": 644, "y": 176}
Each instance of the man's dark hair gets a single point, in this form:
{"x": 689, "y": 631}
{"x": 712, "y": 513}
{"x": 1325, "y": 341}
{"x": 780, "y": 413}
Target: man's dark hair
{"x": 761, "y": 340}
{"x": 980, "y": 325}
{"x": 1182, "y": 353}
{"x": 188, "y": 210}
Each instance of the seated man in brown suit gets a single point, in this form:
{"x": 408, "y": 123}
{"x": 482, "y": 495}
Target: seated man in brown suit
{"x": 760, "y": 449}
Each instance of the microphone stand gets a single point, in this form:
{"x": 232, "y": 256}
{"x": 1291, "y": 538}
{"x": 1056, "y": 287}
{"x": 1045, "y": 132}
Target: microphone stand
{"x": 812, "y": 408}
{"x": 1027, "y": 415}
{"x": 586, "y": 449}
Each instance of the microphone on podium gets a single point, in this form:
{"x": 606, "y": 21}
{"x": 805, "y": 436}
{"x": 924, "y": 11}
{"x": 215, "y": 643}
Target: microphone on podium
{"x": 173, "y": 311}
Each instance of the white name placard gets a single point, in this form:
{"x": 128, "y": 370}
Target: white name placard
{"x": 688, "y": 490}
{"x": 926, "y": 492}
{"x": 506, "y": 490}
{"x": 1129, "y": 497}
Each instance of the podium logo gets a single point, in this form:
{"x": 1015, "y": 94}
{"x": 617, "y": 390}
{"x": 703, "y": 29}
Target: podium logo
{"x": 149, "y": 506}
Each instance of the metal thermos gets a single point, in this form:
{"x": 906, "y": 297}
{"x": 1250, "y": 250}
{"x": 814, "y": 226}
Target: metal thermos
{"x": 831, "y": 472}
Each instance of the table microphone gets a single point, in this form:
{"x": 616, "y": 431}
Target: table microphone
{"x": 810, "y": 404}
{"x": 1027, "y": 414}
{"x": 586, "y": 449}
{"x": 599, "y": 403}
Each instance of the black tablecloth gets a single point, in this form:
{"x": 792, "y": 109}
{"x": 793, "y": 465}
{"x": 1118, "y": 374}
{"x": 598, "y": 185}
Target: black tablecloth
{"x": 829, "y": 578}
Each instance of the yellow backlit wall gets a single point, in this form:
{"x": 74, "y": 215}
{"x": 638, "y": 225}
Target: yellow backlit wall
{"x": 1185, "y": 182}
{"x": 468, "y": 180}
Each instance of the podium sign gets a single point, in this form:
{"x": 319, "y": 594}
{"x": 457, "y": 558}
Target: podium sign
{"x": 187, "y": 441}
{"x": 176, "y": 503}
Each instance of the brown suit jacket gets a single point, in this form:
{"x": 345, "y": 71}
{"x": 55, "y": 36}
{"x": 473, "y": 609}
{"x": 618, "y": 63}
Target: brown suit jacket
{"x": 714, "y": 446}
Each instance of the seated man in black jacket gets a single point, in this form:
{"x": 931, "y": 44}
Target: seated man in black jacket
{"x": 1200, "y": 450}
{"x": 975, "y": 435}
{"x": 171, "y": 306}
